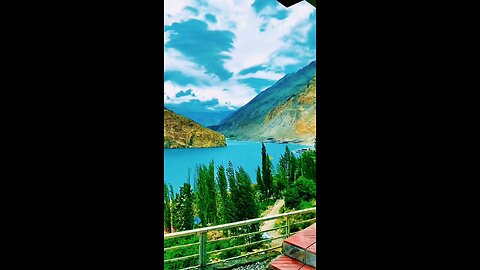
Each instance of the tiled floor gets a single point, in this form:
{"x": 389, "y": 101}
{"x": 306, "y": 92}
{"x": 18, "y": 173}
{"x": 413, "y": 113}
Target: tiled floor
{"x": 312, "y": 248}
{"x": 307, "y": 267}
{"x": 303, "y": 239}
{"x": 286, "y": 263}
{"x": 299, "y": 251}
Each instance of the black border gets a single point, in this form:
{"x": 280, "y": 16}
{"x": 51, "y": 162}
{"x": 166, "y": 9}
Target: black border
{"x": 82, "y": 141}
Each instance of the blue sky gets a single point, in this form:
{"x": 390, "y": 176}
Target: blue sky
{"x": 219, "y": 54}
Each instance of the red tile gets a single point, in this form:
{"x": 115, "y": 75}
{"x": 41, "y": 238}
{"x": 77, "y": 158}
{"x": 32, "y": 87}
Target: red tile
{"x": 313, "y": 226}
{"x": 303, "y": 239}
{"x": 286, "y": 263}
{"x": 312, "y": 248}
{"x": 307, "y": 267}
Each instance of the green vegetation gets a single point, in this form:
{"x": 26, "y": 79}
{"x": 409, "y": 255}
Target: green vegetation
{"x": 225, "y": 195}
{"x": 167, "y": 218}
{"x": 267, "y": 178}
{"x": 302, "y": 190}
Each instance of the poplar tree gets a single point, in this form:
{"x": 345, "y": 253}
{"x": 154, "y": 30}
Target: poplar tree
{"x": 185, "y": 208}
{"x": 223, "y": 190}
{"x": 292, "y": 167}
{"x": 260, "y": 184}
{"x": 247, "y": 205}
{"x": 212, "y": 194}
{"x": 172, "y": 205}
{"x": 232, "y": 183}
{"x": 284, "y": 170}
{"x": 175, "y": 212}
{"x": 308, "y": 165}
{"x": 267, "y": 172}
{"x": 201, "y": 193}
{"x": 167, "y": 215}
{"x": 189, "y": 203}
{"x": 285, "y": 161}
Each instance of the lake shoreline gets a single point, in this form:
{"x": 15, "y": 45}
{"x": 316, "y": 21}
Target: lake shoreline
{"x": 178, "y": 162}
{"x": 303, "y": 143}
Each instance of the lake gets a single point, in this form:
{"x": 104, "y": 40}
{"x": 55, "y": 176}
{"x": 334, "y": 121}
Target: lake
{"x": 177, "y": 162}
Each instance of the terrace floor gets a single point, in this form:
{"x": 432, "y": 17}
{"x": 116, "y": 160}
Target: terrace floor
{"x": 299, "y": 251}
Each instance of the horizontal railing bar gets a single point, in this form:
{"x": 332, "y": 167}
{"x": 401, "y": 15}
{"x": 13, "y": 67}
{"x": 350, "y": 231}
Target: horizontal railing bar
{"x": 191, "y": 267}
{"x": 248, "y": 244}
{"x": 244, "y": 255}
{"x": 180, "y": 258}
{"x": 175, "y": 247}
{"x": 303, "y": 221}
{"x": 235, "y": 224}
{"x": 231, "y": 237}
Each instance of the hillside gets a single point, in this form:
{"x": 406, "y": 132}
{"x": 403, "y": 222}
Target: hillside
{"x": 181, "y": 132}
{"x": 285, "y": 111}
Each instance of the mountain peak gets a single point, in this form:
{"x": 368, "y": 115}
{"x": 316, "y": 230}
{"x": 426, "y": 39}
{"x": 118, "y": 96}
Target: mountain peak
{"x": 287, "y": 110}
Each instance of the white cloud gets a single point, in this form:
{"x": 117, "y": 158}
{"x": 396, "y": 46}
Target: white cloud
{"x": 251, "y": 47}
{"x": 176, "y": 61}
{"x": 174, "y": 10}
{"x": 262, "y": 74}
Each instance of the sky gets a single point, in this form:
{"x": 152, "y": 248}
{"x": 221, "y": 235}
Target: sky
{"x": 219, "y": 54}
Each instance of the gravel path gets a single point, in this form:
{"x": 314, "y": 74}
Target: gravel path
{"x": 270, "y": 224}
{"x": 254, "y": 266}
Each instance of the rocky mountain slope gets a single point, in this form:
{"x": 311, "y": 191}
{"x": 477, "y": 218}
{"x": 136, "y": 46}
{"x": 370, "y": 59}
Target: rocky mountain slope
{"x": 181, "y": 132}
{"x": 285, "y": 111}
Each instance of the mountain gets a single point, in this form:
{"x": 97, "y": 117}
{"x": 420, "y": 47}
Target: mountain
{"x": 181, "y": 132}
{"x": 285, "y": 111}
{"x": 200, "y": 115}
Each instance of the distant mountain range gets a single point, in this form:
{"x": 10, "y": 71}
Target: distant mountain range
{"x": 181, "y": 132}
{"x": 285, "y": 111}
{"x": 203, "y": 117}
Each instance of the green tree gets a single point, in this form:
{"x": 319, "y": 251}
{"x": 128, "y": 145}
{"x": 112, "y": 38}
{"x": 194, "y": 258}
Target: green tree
{"x": 260, "y": 185}
{"x": 172, "y": 195}
{"x": 175, "y": 212}
{"x": 167, "y": 215}
{"x": 247, "y": 205}
{"x": 284, "y": 163}
{"x": 223, "y": 190}
{"x": 309, "y": 169}
{"x": 292, "y": 198}
{"x": 212, "y": 195}
{"x": 303, "y": 189}
{"x": 292, "y": 167}
{"x": 233, "y": 187}
{"x": 267, "y": 172}
{"x": 184, "y": 206}
{"x": 200, "y": 185}
{"x": 286, "y": 169}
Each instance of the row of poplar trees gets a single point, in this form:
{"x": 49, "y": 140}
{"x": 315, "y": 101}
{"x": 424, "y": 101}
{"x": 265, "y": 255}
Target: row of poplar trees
{"x": 271, "y": 184}
{"x": 178, "y": 208}
{"x": 227, "y": 195}
{"x": 218, "y": 197}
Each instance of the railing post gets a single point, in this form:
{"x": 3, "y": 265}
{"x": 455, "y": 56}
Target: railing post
{"x": 288, "y": 226}
{"x": 203, "y": 250}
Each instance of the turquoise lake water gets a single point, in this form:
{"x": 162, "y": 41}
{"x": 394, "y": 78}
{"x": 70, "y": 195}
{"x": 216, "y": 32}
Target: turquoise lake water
{"x": 241, "y": 153}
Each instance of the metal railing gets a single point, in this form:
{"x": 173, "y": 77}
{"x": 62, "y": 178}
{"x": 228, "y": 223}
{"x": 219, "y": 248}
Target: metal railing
{"x": 203, "y": 255}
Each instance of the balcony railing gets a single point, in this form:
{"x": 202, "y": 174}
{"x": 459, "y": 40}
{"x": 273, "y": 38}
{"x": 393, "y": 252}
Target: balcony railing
{"x": 203, "y": 255}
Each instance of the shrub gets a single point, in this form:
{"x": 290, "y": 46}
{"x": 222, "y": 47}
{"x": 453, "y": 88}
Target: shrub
{"x": 302, "y": 189}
